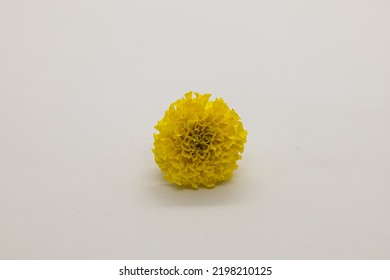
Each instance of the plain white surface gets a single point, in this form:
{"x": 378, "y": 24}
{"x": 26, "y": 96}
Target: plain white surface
{"x": 84, "y": 82}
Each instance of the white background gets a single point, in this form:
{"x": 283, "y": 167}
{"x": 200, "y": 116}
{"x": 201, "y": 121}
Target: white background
{"x": 110, "y": 269}
{"x": 82, "y": 84}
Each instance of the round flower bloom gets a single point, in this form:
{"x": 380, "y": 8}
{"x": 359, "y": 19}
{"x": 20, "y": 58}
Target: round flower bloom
{"x": 199, "y": 141}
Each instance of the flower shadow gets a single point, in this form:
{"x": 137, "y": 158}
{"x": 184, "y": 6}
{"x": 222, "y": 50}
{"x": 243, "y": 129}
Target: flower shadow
{"x": 165, "y": 193}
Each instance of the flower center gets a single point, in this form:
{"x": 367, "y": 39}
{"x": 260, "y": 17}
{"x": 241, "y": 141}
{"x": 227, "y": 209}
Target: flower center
{"x": 201, "y": 138}
{"x": 201, "y": 146}
{"x": 198, "y": 140}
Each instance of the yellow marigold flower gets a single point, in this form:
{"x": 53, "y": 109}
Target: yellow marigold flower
{"x": 199, "y": 141}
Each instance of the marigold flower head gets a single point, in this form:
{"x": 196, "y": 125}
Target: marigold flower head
{"x": 199, "y": 141}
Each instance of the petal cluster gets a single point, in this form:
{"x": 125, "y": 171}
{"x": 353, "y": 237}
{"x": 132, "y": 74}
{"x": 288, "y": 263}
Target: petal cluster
{"x": 198, "y": 141}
